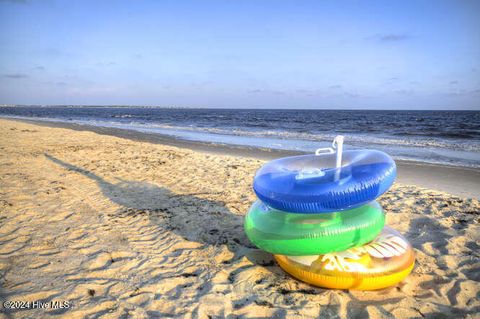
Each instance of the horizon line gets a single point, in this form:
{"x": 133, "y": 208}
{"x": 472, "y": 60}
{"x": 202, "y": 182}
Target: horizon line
{"x": 230, "y": 108}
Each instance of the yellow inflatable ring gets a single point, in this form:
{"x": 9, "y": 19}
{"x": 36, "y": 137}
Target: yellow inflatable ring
{"x": 383, "y": 262}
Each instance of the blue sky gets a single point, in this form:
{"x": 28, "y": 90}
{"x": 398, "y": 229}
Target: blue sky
{"x": 259, "y": 53}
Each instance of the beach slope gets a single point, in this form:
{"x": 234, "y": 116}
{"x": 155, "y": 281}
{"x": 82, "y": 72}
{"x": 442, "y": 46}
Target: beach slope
{"x": 120, "y": 228}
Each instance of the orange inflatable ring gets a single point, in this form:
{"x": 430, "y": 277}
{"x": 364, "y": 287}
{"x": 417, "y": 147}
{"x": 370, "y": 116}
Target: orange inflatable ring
{"x": 384, "y": 262}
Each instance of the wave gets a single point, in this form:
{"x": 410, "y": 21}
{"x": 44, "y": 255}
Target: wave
{"x": 353, "y": 138}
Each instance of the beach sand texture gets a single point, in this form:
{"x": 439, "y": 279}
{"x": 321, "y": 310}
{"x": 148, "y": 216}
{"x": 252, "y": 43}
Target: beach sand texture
{"x": 124, "y": 228}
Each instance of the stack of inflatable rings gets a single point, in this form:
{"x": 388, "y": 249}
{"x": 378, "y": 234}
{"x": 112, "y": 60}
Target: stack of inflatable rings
{"x": 323, "y": 224}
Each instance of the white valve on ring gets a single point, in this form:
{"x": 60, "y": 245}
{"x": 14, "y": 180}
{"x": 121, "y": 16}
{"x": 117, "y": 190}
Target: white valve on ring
{"x": 337, "y": 146}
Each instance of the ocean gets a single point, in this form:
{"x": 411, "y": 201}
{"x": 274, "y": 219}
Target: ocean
{"x": 444, "y": 137}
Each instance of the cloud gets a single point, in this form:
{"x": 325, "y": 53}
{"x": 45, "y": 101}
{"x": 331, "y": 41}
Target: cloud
{"x": 335, "y": 86}
{"x": 463, "y": 92}
{"x": 407, "y": 92}
{"x": 352, "y": 94}
{"x": 60, "y": 83}
{"x": 308, "y": 92}
{"x": 110, "y": 63}
{"x": 15, "y": 76}
{"x": 391, "y": 81}
{"x": 453, "y": 82}
{"x": 393, "y": 37}
{"x": 259, "y": 91}
{"x": 40, "y": 68}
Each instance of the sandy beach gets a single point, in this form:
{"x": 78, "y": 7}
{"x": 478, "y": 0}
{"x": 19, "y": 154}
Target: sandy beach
{"x": 126, "y": 228}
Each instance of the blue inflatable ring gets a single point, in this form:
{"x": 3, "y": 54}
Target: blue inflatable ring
{"x": 312, "y": 184}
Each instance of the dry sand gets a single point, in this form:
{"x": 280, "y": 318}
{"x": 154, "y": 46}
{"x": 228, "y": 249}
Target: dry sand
{"x": 125, "y": 228}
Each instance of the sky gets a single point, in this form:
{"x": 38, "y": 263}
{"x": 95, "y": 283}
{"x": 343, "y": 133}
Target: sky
{"x": 242, "y": 53}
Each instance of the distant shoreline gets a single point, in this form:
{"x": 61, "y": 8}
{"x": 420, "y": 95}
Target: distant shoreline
{"x": 460, "y": 181}
{"x": 234, "y": 108}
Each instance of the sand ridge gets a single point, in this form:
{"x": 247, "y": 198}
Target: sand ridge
{"x": 123, "y": 228}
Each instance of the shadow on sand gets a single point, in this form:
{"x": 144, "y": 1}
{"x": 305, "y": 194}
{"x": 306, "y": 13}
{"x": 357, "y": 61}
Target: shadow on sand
{"x": 195, "y": 219}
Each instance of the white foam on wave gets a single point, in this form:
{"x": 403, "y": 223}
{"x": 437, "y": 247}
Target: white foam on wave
{"x": 360, "y": 139}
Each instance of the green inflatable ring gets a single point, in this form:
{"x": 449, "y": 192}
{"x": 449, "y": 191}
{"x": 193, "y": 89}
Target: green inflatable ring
{"x": 296, "y": 234}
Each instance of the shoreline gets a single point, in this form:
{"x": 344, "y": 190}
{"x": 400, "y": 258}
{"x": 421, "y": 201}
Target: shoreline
{"x": 455, "y": 180}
